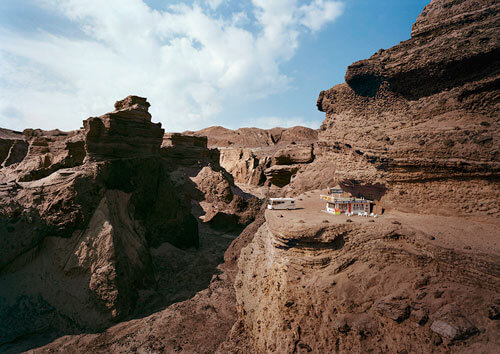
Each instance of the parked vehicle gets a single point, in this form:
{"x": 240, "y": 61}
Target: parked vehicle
{"x": 281, "y": 203}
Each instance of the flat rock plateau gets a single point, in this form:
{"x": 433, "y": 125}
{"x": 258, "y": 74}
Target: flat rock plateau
{"x": 120, "y": 238}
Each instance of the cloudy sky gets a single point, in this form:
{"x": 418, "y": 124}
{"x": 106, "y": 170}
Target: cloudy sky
{"x": 200, "y": 63}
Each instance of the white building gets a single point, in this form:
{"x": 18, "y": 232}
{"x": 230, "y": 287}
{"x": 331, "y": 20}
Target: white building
{"x": 340, "y": 202}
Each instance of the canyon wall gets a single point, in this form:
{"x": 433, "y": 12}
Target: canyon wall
{"x": 420, "y": 118}
{"x": 259, "y": 157}
{"x": 414, "y": 128}
{"x": 85, "y": 216}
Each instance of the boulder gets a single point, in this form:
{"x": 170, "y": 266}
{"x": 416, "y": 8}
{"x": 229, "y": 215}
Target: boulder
{"x": 450, "y": 323}
{"x": 396, "y": 310}
{"x": 293, "y": 154}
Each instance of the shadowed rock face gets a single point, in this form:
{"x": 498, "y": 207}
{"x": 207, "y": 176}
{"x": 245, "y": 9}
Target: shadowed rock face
{"x": 13, "y": 148}
{"x": 420, "y": 67}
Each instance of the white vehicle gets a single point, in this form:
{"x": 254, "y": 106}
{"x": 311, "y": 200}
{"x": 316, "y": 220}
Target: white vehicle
{"x": 281, "y": 203}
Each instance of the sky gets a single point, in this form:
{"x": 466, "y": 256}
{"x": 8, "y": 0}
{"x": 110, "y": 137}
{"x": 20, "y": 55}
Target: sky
{"x": 235, "y": 63}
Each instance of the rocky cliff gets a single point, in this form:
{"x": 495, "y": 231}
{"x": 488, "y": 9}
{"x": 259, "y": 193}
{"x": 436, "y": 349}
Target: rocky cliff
{"x": 415, "y": 128}
{"x": 259, "y": 157}
{"x": 310, "y": 282}
{"x": 90, "y": 211}
{"x": 421, "y": 118}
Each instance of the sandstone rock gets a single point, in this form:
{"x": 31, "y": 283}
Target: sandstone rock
{"x": 387, "y": 125}
{"x": 247, "y": 152}
{"x": 86, "y": 227}
{"x": 396, "y": 310}
{"x": 293, "y": 154}
{"x": 494, "y": 310}
{"x": 450, "y": 323}
{"x": 280, "y": 175}
{"x": 187, "y": 150}
{"x": 255, "y": 137}
{"x": 420, "y": 316}
{"x": 177, "y": 139}
{"x": 223, "y": 208}
{"x": 245, "y": 165}
{"x": 187, "y": 321}
{"x": 341, "y": 324}
{"x": 408, "y": 127}
{"x": 126, "y": 132}
{"x": 135, "y": 103}
{"x": 13, "y": 147}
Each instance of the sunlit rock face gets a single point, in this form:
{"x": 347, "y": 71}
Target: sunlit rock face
{"x": 420, "y": 118}
{"x": 125, "y": 132}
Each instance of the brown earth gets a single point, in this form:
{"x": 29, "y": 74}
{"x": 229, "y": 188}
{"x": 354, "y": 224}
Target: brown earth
{"x": 219, "y": 137}
{"x": 315, "y": 282}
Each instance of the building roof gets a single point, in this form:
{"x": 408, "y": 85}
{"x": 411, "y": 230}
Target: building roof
{"x": 333, "y": 199}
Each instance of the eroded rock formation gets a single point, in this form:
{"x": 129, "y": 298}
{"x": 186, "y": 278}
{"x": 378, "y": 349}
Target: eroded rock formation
{"x": 401, "y": 283}
{"x": 251, "y": 155}
{"x": 84, "y": 212}
{"x": 421, "y": 116}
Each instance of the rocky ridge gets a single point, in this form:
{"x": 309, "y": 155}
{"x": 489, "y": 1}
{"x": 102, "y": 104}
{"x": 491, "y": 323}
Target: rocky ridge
{"x": 258, "y": 157}
{"x": 90, "y": 211}
{"x": 420, "y": 118}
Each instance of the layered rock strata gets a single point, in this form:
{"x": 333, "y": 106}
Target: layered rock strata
{"x": 251, "y": 154}
{"x": 421, "y": 116}
{"x": 312, "y": 283}
{"x": 181, "y": 327}
{"x": 90, "y": 212}
{"x": 126, "y": 132}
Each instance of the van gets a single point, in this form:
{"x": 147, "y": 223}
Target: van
{"x": 281, "y": 203}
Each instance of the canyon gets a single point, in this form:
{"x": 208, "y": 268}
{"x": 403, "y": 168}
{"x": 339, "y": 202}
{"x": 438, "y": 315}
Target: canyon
{"x": 119, "y": 237}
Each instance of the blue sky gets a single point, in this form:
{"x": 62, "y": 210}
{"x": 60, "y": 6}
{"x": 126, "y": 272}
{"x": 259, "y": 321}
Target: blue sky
{"x": 200, "y": 63}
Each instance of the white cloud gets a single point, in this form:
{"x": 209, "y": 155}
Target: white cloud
{"x": 319, "y": 12}
{"x": 187, "y": 60}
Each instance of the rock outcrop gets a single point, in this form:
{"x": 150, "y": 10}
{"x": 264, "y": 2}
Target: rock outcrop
{"x": 250, "y": 154}
{"x": 254, "y": 137}
{"x": 181, "y": 327}
{"x": 86, "y": 211}
{"x": 13, "y": 147}
{"x": 126, "y": 132}
{"x": 421, "y": 116}
{"x": 414, "y": 128}
{"x": 306, "y": 285}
